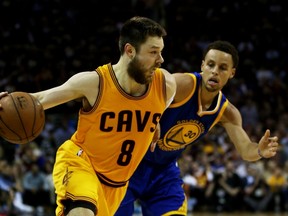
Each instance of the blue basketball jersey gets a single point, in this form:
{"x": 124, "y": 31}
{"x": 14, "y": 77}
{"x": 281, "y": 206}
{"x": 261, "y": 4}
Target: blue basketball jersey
{"x": 184, "y": 123}
{"x": 157, "y": 179}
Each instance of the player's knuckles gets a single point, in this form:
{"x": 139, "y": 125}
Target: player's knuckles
{"x": 3, "y": 94}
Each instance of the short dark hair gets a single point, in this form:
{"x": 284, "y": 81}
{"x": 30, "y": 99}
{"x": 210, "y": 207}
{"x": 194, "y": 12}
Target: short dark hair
{"x": 226, "y": 47}
{"x": 137, "y": 29}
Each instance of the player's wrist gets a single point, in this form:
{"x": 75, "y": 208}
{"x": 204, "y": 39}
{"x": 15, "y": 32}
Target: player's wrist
{"x": 259, "y": 153}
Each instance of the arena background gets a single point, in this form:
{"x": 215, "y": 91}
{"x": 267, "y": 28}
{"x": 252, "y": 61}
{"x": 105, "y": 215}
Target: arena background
{"x": 43, "y": 43}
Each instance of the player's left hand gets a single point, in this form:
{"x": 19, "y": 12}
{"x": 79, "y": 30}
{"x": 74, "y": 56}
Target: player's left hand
{"x": 3, "y": 94}
{"x": 268, "y": 145}
{"x": 156, "y": 137}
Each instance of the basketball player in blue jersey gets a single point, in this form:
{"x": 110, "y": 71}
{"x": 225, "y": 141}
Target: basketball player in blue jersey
{"x": 198, "y": 105}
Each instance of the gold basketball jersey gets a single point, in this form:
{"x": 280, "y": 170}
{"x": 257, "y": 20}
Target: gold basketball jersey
{"x": 118, "y": 131}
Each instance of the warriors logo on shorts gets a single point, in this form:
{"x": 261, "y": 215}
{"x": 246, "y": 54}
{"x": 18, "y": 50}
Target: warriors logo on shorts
{"x": 181, "y": 135}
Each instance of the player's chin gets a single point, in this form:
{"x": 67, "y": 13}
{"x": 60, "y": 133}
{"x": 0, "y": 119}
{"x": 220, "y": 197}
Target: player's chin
{"x": 213, "y": 88}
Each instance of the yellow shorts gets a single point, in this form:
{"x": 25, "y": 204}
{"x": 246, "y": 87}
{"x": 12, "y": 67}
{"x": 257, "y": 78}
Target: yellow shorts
{"x": 74, "y": 178}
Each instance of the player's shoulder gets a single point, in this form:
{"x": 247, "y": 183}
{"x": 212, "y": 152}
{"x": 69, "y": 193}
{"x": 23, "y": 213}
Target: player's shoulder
{"x": 168, "y": 77}
{"x": 165, "y": 72}
{"x": 185, "y": 78}
{"x": 85, "y": 77}
{"x": 85, "y": 74}
{"x": 231, "y": 113}
{"x": 186, "y": 86}
{"x": 84, "y": 80}
{"x": 170, "y": 85}
{"x": 231, "y": 107}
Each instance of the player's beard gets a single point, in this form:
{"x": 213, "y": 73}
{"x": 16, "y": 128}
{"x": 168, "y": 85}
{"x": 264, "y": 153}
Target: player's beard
{"x": 137, "y": 72}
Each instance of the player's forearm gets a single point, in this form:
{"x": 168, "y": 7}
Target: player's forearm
{"x": 250, "y": 152}
{"x": 54, "y": 97}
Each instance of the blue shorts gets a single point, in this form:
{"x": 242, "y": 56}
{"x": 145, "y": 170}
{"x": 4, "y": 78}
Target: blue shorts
{"x": 158, "y": 188}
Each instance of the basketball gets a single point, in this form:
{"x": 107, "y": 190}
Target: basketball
{"x": 22, "y": 117}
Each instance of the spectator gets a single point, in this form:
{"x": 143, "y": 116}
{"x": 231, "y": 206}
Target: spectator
{"x": 7, "y": 182}
{"x": 35, "y": 191}
{"x": 196, "y": 184}
{"x": 227, "y": 190}
{"x": 257, "y": 194}
{"x": 278, "y": 186}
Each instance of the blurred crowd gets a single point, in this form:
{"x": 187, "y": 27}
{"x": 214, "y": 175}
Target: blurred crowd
{"x": 44, "y": 42}
{"x": 216, "y": 179}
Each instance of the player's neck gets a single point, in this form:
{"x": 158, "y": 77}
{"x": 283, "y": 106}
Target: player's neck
{"x": 128, "y": 84}
{"x": 206, "y": 97}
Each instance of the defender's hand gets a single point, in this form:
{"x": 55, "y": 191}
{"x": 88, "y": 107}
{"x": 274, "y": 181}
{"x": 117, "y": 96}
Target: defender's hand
{"x": 268, "y": 145}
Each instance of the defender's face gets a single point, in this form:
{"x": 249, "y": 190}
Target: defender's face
{"x": 217, "y": 69}
{"x": 146, "y": 60}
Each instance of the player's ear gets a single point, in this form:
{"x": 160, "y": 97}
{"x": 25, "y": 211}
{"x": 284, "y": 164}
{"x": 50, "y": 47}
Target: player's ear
{"x": 232, "y": 73}
{"x": 202, "y": 65}
{"x": 130, "y": 50}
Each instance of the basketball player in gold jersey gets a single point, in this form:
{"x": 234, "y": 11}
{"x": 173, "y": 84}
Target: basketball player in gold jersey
{"x": 122, "y": 105}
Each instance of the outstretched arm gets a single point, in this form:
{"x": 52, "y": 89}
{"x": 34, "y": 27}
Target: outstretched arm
{"x": 84, "y": 84}
{"x": 250, "y": 151}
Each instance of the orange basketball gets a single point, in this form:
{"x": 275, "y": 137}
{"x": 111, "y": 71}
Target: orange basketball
{"x": 22, "y": 117}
